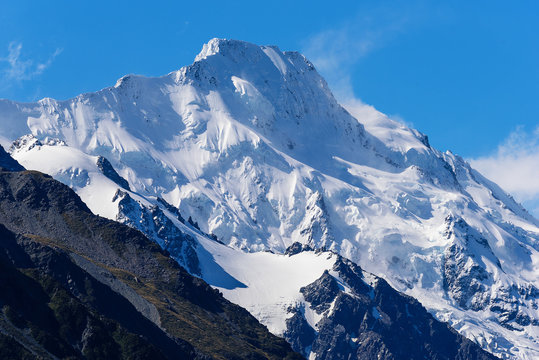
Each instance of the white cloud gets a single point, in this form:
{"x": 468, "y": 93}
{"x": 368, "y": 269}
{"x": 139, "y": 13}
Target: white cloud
{"x": 17, "y": 69}
{"x": 515, "y": 167}
{"x": 360, "y": 110}
{"x": 337, "y": 51}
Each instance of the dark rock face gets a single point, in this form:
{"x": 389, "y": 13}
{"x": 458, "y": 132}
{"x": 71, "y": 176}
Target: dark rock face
{"x": 153, "y": 223}
{"x": 172, "y": 209}
{"x": 106, "y": 168}
{"x": 352, "y": 275}
{"x": 75, "y": 285}
{"x": 296, "y": 248}
{"x": 298, "y": 332}
{"x": 368, "y": 319}
{"x": 321, "y": 293}
{"x": 467, "y": 281}
{"x": 70, "y": 313}
{"x": 465, "y": 275}
{"x": 7, "y": 162}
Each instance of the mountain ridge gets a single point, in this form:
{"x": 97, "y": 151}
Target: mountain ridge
{"x": 249, "y": 142}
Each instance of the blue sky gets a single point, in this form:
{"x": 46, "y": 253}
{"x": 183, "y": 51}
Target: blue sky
{"x": 464, "y": 72}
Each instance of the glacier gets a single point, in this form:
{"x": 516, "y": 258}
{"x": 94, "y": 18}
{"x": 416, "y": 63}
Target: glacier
{"x": 250, "y": 143}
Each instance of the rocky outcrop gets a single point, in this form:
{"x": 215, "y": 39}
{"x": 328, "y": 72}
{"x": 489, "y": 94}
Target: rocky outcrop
{"x": 465, "y": 276}
{"x": 469, "y": 283}
{"x": 296, "y": 248}
{"x": 298, "y": 332}
{"x": 153, "y": 223}
{"x": 321, "y": 293}
{"x": 362, "y": 317}
{"x": 106, "y": 168}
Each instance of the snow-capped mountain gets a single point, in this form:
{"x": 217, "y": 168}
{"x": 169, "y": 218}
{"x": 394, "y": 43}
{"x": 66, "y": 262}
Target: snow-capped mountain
{"x": 97, "y": 270}
{"x": 249, "y": 144}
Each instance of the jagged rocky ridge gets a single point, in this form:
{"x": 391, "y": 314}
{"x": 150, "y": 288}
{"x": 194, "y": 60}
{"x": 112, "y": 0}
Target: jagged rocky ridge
{"x": 250, "y": 144}
{"x": 334, "y": 310}
{"x": 362, "y": 317}
{"x": 75, "y": 285}
{"x": 153, "y": 222}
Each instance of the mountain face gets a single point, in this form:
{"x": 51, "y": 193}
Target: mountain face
{"x": 75, "y": 285}
{"x": 79, "y": 286}
{"x": 250, "y": 145}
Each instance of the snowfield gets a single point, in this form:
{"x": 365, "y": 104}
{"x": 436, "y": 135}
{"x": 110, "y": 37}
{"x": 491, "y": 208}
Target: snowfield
{"x": 250, "y": 143}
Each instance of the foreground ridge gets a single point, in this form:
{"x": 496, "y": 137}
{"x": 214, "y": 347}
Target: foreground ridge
{"x": 77, "y": 285}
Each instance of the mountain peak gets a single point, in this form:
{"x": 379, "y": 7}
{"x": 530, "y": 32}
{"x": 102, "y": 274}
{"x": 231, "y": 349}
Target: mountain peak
{"x": 210, "y": 48}
{"x": 229, "y": 48}
{"x": 243, "y": 52}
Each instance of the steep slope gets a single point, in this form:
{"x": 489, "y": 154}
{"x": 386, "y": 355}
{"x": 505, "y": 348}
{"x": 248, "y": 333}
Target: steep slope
{"x": 52, "y": 308}
{"x": 250, "y": 144}
{"x": 75, "y": 284}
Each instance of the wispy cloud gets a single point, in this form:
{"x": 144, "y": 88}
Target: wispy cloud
{"x": 16, "y": 68}
{"x": 515, "y": 167}
{"x": 336, "y": 51}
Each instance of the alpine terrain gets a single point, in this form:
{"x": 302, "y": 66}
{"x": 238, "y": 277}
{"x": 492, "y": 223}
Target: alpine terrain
{"x": 345, "y": 233}
{"x": 78, "y": 286}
